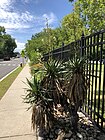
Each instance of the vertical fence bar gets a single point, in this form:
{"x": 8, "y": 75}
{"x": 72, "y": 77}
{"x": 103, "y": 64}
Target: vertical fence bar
{"x": 87, "y": 68}
{"x": 92, "y": 79}
{"x": 96, "y": 77}
{"x": 92, "y": 88}
{"x": 103, "y": 96}
{"x": 90, "y": 73}
{"x": 100, "y": 72}
{"x": 52, "y": 56}
{"x": 62, "y": 51}
{"x": 82, "y": 44}
{"x": 82, "y": 49}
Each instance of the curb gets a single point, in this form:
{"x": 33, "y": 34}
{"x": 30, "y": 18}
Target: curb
{"x": 8, "y": 74}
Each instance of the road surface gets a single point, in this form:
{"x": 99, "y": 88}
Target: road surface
{"x": 8, "y": 66}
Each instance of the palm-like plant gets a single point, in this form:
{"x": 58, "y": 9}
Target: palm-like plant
{"x": 53, "y": 80}
{"x": 33, "y": 97}
{"x": 77, "y": 86}
{"x": 33, "y": 91}
{"x": 45, "y": 93}
{"x": 36, "y": 97}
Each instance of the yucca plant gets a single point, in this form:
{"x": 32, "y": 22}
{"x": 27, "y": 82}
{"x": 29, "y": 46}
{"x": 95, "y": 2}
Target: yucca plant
{"x": 36, "y": 97}
{"x": 33, "y": 97}
{"x": 53, "y": 80}
{"x": 77, "y": 85}
{"x": 45, "y": 93}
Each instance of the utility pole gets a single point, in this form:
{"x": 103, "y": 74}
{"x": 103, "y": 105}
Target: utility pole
{"x": 47, "y": 30}
{"x": 47, "y": 23}
{"x": 48, "y": 35}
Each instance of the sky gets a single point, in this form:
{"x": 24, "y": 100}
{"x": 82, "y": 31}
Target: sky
{"x": 23, "y": 18}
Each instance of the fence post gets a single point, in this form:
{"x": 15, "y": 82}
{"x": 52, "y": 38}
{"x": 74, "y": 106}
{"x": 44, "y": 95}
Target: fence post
{"x": 62, "y": 50}
{"x": 82, "y": 44}
{"x": 52, "y": 55}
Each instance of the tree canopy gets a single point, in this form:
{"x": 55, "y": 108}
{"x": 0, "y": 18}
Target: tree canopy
{"x": 7, "y": 43}
{"x": 92, "y": 14}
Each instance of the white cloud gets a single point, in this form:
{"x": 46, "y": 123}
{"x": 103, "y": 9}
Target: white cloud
{"x": 16, "y": 22}
{"x": 6, "y": 4}
{"x": 20, "y": 46}
{"x": 28, "y": 1}
{"x": 11, "y": 20}
{"x": 50, "y": 17}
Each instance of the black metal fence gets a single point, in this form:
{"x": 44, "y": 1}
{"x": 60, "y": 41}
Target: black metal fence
{"x": 93, "y": 47}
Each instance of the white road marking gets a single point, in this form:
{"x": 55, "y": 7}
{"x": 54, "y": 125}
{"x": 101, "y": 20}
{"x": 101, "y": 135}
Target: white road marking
{"x": 9, "y": 64}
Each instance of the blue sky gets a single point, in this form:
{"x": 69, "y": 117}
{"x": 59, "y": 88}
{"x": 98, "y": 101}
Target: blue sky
{"x": 22, "y": 18}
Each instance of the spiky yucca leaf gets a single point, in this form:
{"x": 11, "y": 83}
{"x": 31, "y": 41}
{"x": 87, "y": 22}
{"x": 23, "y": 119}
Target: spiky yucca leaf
{"x": 33, "y": 92}
{"x": 52, "y": 80}
{"x": 75, "y": 65}
{"x": 53, "y": 68}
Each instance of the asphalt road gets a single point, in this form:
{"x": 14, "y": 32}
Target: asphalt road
{"x": 8, "y": 66}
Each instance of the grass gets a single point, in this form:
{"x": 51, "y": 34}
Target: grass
{"x": 7, "y": 82}
{"x": 99, "y": 89}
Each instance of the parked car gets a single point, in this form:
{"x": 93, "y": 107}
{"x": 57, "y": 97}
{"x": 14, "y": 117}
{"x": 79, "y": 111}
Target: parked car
{"x": 18, "y": 56}
{"x": 6, "y": 58}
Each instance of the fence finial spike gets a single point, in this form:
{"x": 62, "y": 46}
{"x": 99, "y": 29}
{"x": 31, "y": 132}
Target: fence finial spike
{"x": 62, "y": 43}
{"x": 82, "y": 33}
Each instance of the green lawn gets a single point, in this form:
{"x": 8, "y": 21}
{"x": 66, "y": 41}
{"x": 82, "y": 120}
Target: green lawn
{"x": 6, "y": 83}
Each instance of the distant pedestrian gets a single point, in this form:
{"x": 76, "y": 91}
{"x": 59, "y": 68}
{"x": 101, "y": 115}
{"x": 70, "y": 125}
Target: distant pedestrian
{"x": 21, "y": 64}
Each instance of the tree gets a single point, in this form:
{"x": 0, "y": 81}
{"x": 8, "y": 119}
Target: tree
{"x": 34, "y": 46}
{"x": 72, "y": 26}
{"x": 2, "y": 30}
{"x": 23, "y": 53}
{"x": 43, "y": 42}
{"x": 92, "y": 14}
{"x": 9, "y": 45}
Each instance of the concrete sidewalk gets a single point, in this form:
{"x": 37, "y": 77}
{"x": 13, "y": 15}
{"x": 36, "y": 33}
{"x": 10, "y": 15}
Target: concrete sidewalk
{"x": 15, "y": 120}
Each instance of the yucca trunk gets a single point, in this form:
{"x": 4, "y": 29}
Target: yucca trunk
{"x": 77, "y": 90}
{"x": 42, "y": 118}
{"x": 38, "y": 117}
